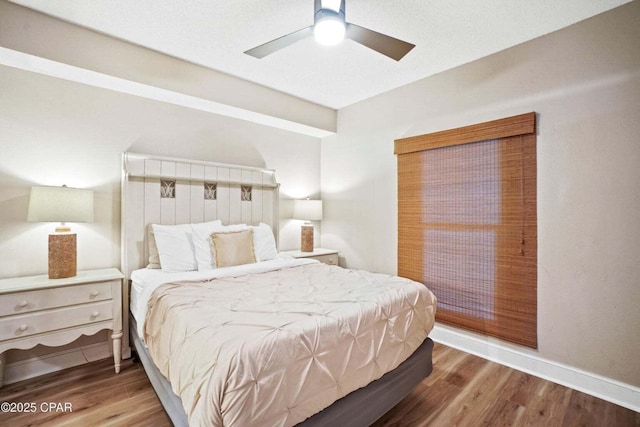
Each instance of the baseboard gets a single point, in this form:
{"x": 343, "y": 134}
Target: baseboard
{"x": 512, "y": 356}
{"x": 36, "y": 366}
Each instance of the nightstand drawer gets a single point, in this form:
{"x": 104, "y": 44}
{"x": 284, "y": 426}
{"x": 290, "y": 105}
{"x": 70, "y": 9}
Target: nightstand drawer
{"x": 25, "y": 302}
{"x": 327, "y": 259}
{"x": 50, "y": 320}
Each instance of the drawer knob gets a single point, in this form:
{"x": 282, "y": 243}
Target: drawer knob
{"x": 23, "y": 304}
{"x": 95, "y": 314}
{"x": 22, "y": 328}
{"x": 94, "y": 294}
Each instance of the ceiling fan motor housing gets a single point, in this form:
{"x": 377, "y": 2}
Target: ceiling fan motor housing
{"x": 322, "y": 14}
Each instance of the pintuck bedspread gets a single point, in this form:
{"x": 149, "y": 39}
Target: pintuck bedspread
{"x": 274, "y": 348}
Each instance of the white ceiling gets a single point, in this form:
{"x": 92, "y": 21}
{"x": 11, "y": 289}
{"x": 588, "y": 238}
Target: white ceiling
{"x": 215, "y": 33}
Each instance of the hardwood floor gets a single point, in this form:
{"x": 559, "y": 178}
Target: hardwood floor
{"x": 463, "y": 390}
{"x": 466, "y": 390}
{"x": 98, "y": 397}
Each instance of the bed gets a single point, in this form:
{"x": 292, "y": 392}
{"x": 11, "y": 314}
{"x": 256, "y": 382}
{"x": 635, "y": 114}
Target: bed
{"x": 268, "y": 341}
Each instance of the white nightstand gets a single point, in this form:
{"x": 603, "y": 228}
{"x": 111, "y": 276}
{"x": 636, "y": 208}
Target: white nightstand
{"x": 38, "y": 310}
{"x": 328, "y": 256}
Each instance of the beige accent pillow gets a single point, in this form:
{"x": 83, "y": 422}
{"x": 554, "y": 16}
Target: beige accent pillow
{"x": 233, "y": 248}
{"x": 154, "y": 256}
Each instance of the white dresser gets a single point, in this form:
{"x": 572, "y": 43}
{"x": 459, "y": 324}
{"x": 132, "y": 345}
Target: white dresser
{"x": 38, "y": 310}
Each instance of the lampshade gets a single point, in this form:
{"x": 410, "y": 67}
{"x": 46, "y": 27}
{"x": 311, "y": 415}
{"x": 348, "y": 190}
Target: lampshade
{"x": 308, "y": 210}
{"x": 60, "y": 204}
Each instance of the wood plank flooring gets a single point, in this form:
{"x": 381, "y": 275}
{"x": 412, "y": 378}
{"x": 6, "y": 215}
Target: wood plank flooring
{"x": 463, "y": 390}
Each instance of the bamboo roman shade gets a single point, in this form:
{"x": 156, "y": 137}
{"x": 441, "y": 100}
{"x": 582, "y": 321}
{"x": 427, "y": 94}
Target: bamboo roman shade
{"x": 467, "y": 224}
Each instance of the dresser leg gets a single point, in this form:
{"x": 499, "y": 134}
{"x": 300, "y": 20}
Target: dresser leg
{"x": 3, "y": 362}
{"x": 116, "y": 336}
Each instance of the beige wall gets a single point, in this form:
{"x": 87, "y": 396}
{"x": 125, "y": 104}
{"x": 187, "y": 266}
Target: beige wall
{"x": 584, "y": 83}
{"x": 57, "y": 132}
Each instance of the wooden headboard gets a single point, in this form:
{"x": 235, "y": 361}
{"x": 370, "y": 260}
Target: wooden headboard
{"x": 163, "y": 190}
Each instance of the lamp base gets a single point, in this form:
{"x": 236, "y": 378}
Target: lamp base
{"x": 307, "y": 238}
{"x": 62, "y": 256}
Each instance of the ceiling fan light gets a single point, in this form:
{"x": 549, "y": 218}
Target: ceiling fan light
{"x": 329, "y": 32}
{"x": 329, "y": 26}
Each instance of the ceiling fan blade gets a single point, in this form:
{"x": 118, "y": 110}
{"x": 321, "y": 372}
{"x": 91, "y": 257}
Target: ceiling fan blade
{"x": 279, "y": 43}
{"x": 386, "y": 45}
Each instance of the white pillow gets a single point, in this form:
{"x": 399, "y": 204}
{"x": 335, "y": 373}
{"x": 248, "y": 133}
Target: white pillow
{"x": 175, "y": 247}
{"x": 202, "y": 243}
{"x": 264, "y": 243}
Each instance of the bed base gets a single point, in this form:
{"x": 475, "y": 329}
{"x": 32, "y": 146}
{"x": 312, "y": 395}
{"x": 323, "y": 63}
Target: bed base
{"x": 357, "y": 409}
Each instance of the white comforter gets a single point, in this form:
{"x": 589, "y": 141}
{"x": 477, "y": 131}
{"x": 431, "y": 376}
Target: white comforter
{"x": 272, "y": 349}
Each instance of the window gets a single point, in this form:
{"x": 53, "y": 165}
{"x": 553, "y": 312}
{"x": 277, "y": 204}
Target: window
{"x": 467, "y": 224}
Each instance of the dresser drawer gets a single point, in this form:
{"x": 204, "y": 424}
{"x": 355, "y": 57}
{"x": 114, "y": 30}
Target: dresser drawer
{"x": 50, "y": 320}
{"x": 25, "y": 302}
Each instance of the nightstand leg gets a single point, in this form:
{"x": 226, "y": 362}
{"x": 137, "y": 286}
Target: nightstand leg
{"x": 3, "y": 362}
{"x": 116, "y": 336}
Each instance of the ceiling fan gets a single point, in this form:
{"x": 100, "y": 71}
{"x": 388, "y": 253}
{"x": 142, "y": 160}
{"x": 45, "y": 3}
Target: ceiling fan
{"x": 330, "y": 28}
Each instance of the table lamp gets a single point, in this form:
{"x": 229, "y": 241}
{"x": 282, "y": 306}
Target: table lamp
{"x": 307, "y": 210}
{"x": 61, "y": 204}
